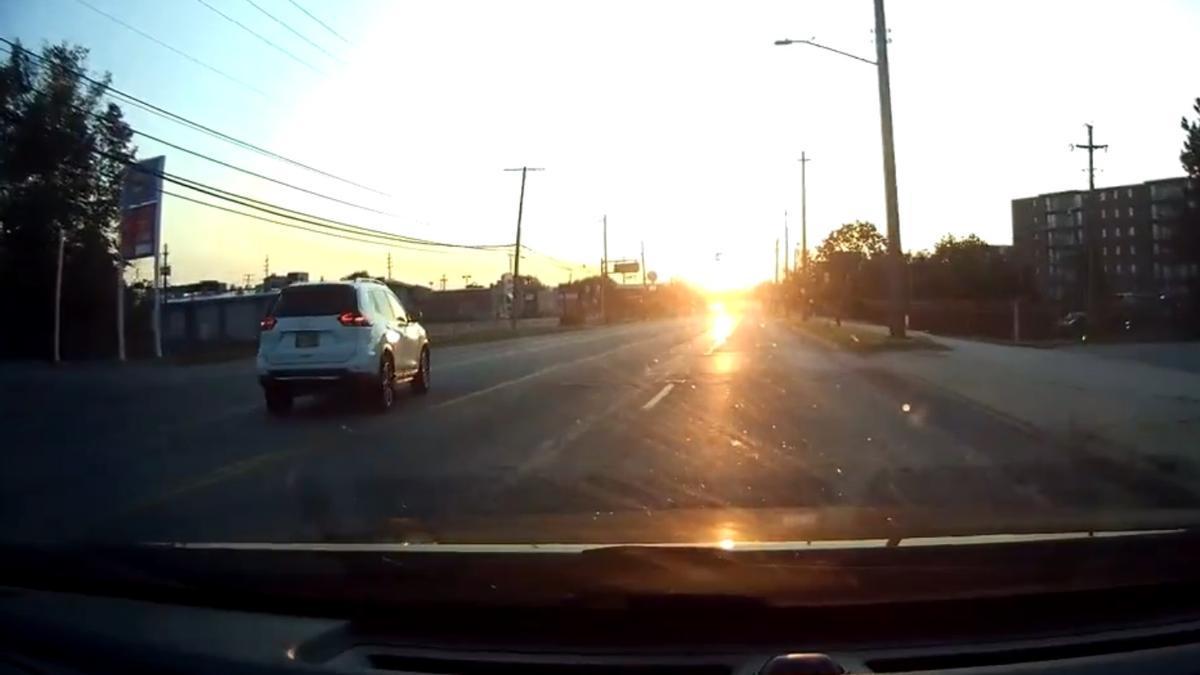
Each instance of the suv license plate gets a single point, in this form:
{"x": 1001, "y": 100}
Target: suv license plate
{"x": 307, "y": 339}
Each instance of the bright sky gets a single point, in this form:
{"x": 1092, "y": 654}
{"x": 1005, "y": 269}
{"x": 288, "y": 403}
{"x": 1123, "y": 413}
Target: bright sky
{"x": 679, "y": 120}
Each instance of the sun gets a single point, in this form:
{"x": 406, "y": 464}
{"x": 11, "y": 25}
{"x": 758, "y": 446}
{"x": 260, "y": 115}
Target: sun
{"x": 725, "y": 273}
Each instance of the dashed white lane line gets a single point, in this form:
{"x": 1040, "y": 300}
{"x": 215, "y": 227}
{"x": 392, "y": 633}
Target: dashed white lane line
{"x": 659, "y": 396}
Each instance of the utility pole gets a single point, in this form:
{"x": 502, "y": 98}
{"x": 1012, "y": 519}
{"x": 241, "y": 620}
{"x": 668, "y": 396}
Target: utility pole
{"x": 443, "y": 280}
{"x": 166, "y": 268}
{"x": 1091, "y": 149}
{"x": 120, "y": 306}
{"x": 804, "y": 160}
{"x": 643, "y": 264}
{"x": 785, "y": 245}
{"x": 266, "y": 268}
{"x": 58, "y": 281}
{"x": 389, "y": 265}
{"x": 899, "y": 304}
{"x": 604, "y": 275}
{"x": 1089, "y": 245}
{"x": 518, "y": 293}
{"x": 777, "y": 261}
{"x": 466, "y": 280}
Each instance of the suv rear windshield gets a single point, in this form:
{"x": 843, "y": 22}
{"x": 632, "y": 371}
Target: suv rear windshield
{"x": 318, "y": 300}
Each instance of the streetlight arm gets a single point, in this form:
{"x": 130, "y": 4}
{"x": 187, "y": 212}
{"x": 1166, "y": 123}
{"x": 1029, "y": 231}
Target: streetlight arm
{"x": 818, "y": 45}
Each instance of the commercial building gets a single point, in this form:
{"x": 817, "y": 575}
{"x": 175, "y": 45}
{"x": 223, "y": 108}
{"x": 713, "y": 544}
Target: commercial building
{"x": 1117, "y": 241}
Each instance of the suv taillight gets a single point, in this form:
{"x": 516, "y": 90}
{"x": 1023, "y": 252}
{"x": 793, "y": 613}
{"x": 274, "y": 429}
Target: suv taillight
{"x": 267, "y": 323}
{"x": 353, "y": 319}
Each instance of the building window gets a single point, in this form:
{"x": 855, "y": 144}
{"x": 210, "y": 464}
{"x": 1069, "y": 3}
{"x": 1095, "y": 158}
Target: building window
{"x": 1157, "y": 250}
{"x": 1133, "y": 268}
{"x": 1104, "y": 250}
{"x": 1103, "y": 195}
{"x": 1131, "y": 212}
{"x": 1116, "y": 213}
{"x": 1119, "y": 270}
{"x": 1130, "y": 232}
{"x": 1129, "y": 193}
{"x": 1118, "y": 250}
{"x": 1132, "y": 250}
{"x": 1104, "y": 233}
{"x": 1101, "y": 214}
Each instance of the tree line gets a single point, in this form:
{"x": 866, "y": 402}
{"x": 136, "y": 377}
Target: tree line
{"x": 851, "y": 264}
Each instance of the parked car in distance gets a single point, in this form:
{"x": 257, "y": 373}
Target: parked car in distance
{"x": 346, "y": 337}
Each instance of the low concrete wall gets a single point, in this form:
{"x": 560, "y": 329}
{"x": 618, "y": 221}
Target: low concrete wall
{"x": 224, "y": 321}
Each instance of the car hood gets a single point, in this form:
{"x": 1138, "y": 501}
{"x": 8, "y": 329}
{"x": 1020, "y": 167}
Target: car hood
{"x": 742, "y": 528}
{"x": 777, "y": 558}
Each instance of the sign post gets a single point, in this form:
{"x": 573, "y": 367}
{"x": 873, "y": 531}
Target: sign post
{"x": 120, "y": 307}
{"x": 141, "y": 234}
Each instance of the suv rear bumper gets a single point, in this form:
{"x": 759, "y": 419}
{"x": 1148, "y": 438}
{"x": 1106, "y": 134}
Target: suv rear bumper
{"x": 301, "y": 380}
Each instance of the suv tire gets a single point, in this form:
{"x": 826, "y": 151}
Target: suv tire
{"x": 420, "y": 381}
{"x": 382, "y": 394}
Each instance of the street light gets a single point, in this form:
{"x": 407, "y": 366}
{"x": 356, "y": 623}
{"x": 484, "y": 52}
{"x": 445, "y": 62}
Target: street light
{"x": 897, "y": 290}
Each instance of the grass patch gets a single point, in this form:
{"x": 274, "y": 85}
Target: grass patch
{"x": 856, "y": 339}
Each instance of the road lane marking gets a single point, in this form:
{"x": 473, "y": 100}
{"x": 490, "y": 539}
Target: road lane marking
{"x": 659, "y": 396}
{"x": 544, "y": 371}
{"x": 218, "y": 475}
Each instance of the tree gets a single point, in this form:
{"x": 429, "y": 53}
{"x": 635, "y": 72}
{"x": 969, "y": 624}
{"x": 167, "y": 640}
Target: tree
{"x": 1186, "y": 241}
{"x": 1189, "y": 157}
{"x": 849, "y": 266}
{"x": 859, "y": 237}
{"x": 63, "y": 156}
{"x": 966, "y": 268}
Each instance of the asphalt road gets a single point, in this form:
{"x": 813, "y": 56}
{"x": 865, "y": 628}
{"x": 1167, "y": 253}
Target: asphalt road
{"x": 639, "y": 418}
{"x": 1173, "y": 355}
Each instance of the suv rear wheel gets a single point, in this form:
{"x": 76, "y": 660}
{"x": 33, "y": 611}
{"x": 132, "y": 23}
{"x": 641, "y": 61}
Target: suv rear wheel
{"x": 420, "y": 381}
{"x": 383, "y": 393}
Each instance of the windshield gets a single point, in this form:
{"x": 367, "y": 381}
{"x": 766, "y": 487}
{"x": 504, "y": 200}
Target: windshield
{"x": 720, "y": 274}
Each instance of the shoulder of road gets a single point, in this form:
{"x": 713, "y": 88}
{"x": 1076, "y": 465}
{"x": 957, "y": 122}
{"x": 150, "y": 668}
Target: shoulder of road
{"x": 1124, "y": 409}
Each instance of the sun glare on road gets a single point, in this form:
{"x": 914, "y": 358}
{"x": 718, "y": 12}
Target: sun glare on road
{"x": 721, "y": 324}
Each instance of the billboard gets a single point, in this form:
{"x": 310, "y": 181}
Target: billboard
{"x": 141, "y": 208}
{"x": 626, "y": 267}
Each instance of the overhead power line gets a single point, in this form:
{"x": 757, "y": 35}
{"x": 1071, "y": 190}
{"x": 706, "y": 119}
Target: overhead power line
{"x": 180, "y": 119}
{"x": 556, "y": 261}
{"x": 180, "y": 52}
{"x": 258, "y": 35}
{"x": 325, "y": 225}
{"x": 255, "y": 174}
{"x": 295, "y": 32}
{"x": 320, "y": 221}
{"x": 310, "y": 15}
{"x": 234, "y": 167}
{"x": 327, "y": 233}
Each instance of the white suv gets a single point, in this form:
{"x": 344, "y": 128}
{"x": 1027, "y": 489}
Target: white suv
{"x": 340, "y": 335}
